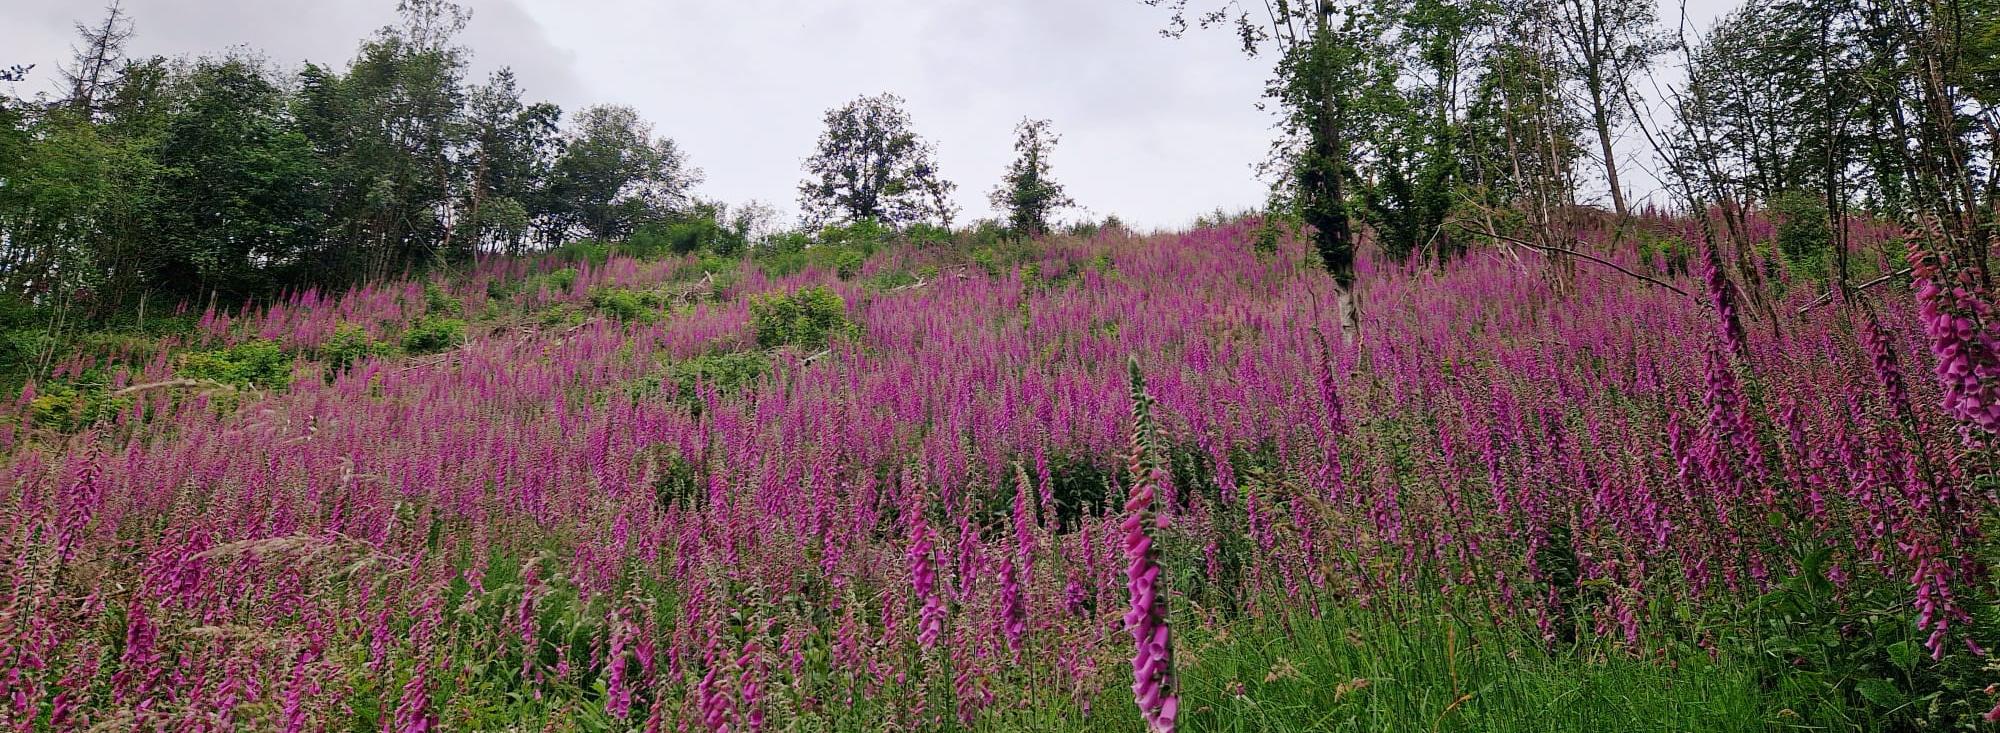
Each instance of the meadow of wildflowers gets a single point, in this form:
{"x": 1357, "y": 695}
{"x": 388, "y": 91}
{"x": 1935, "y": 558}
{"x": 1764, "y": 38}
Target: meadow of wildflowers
{"x": 1117, "y": 483}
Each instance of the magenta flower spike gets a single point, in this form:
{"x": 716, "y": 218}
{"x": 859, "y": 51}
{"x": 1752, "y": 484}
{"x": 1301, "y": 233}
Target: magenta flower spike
{"x": 1146, "y": 621}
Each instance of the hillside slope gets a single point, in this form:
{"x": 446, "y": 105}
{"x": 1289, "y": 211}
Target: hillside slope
{"x": 677, "y": 494}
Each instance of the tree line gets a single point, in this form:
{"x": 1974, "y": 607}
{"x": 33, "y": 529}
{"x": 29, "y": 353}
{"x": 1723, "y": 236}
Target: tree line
{"x": 1434, "y": 124}
{"x": 224, "y": 179}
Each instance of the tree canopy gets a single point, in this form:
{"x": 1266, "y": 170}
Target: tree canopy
{"x": 870, "y": 164}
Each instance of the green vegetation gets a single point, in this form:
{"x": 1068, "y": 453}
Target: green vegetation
{"x": 628, "y": 305}
{"x": 807, "y": 318}
{"x": 728, "y": 372}
{"x": 348, "y": 345}
{"x": 1805, "y": 234}
{"x": 431, "y": 335}
{"x": 257, "y": 363}
{"x": 73, "y": 405}
{"x": 437, "y": 302}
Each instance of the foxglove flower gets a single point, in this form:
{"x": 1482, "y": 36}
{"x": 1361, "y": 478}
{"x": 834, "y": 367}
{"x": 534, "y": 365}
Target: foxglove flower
{"x": 1963, "y": 338}
{"x": 1153, "y": 661}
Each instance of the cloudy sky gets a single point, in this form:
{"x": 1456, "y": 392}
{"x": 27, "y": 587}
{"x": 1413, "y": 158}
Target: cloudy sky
{"x": 1154, "y": 130}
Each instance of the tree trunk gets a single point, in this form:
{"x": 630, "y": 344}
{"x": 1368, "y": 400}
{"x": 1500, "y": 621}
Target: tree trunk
{"x": 1602, "y": 118}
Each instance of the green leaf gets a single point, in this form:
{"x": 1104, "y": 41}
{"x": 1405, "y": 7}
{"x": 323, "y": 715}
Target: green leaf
{"x": 1904, "y": 653}
{"x": 1881, "y": 692}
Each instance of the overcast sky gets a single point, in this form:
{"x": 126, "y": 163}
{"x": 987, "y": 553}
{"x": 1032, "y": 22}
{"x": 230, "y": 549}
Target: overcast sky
{"x": 1154, "y": 130}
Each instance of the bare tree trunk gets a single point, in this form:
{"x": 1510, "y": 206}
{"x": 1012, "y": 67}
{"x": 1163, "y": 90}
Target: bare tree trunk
{"x": 1601, "y": 116}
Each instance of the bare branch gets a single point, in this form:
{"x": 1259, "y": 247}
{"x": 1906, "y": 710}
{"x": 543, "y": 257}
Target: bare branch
{"x": 1590, "y": 257}
{"x": 1827, "y": 297}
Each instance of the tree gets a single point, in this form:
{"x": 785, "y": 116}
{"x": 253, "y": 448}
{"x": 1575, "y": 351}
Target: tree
{"x": 220, "y": 179}
{"x": 870, "y": 165}
{"x": 1330, "y": 63}
{"x": 389, "y": 133}
{"x": 237, "y": 204}
{"x": 514, "y": 145}
{"x": 1607, "y": 42}
{"x": 1026, "y": 192}
{"x": 78, "y": 178}
{"x": 613, "y": 175}
{"x": 1413, "y": 170}
{"x": 94, "y": 64}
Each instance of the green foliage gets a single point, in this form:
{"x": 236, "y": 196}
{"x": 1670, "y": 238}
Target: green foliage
{"x": 256, "y": 363}
{"x": 727, "y": 372}
{"x": 687, "y": 236}
{"x": 432, "y": 335}
{"x": 787, "y": 242}
{"x": 1270, "y": 232}
{"x": 870, "y": 165}
{"x": 987, "y": 260}
{"x": 1854, "y": 658}
{"x": 848, "y": 263}
{"x": 236, "y": 199}
{"x": 1427, "y": 668}
{"x": 21, "y": 347}
{"x": 888, "y": 280}
{"x": 589, "y": 249}
{"x": 627, "y": 305}
{"x": 678, "y": 481}
{"x": 807, "y": 318}
{"x": 988, "y": 233}
{"x": 72, "y": 405}
{"x": 614, "y": 175}
{"x": 926, "y": 234}
{"x": 841, "y": 249}
{"x": 560, "y": 281}
{"x": 349, "y": 344}
{"x": 709, "y": 264}
{"x": 1026, "y": 192}
{"x": 437, "y": 301}
{"x": 1805, "y": 234}
{"x": 23, "y": 335}
{"x": 862, "y": 235}
{"x": 226, "y": 179}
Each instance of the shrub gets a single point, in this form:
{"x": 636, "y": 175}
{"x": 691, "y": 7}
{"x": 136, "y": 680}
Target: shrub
{"x": 256, "y": 363}
{"x": 683, "y": 237}
{"x": 806, "y": 318}
{"x": 432, "y": 335}
{"x": 19, "y": 347}
{"x": 985, "y": 258}
{"x": 888, "y": 280}
{"x": 626, "y": 305}
{"x": 848, "y": 264}
{"x": 1269, "y": 233}
{"x": 727, "y": 372}
{"x": 73, "y": 405}
{"x": 865, "y": 235}
{"x": 349, "y": 344}
{"x": 586, "y": 250}
{"x": 925, "y": 234}
{"x": 437, "y": 300}
{"x": 677, "y": 481}
{"x": 990, "y": 233}
{"x": 560, "y": 280}
{"x": 793, "y": 241}
{"x": 1805, "y": 236}
{"x": 832, "y": 257}
{"x": 23, "y": 338}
